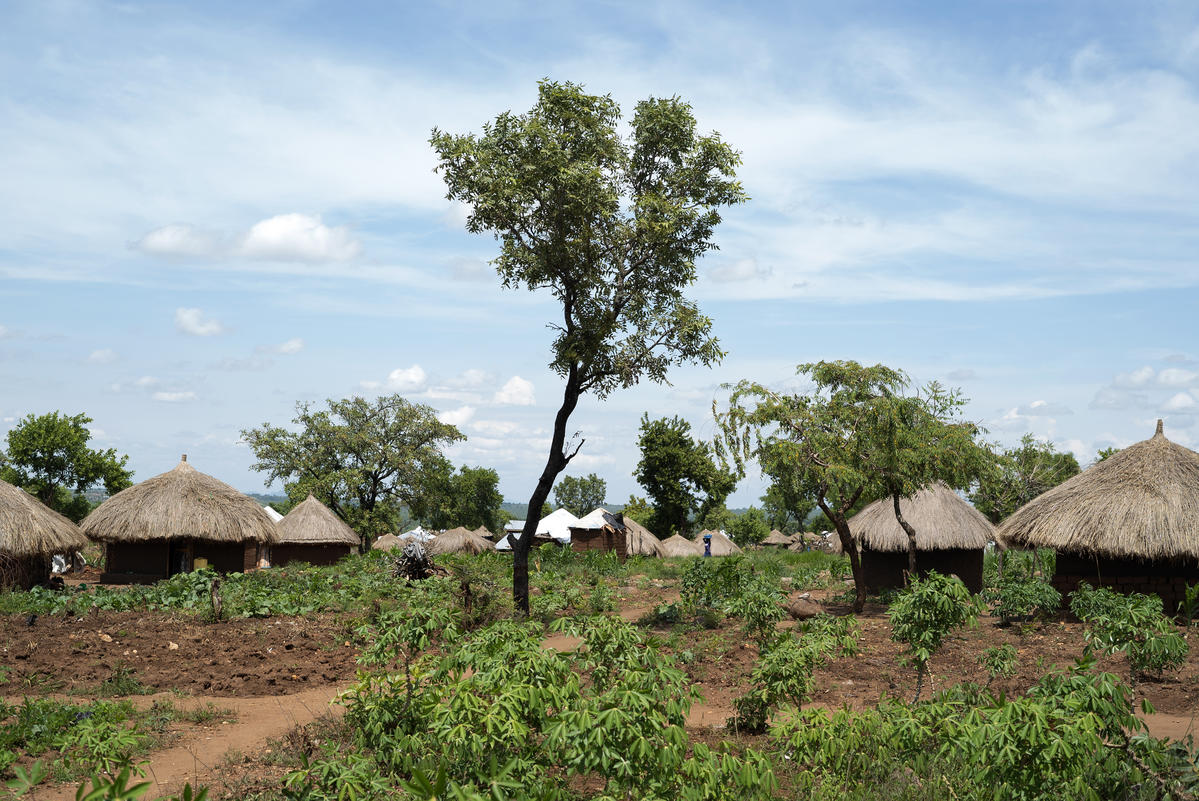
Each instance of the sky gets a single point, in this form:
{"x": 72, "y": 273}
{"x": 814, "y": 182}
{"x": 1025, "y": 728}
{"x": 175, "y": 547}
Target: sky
{"x": 214, "y": 211}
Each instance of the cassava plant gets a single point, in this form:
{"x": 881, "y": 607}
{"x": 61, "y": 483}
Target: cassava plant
{"x": 925, "y": 613}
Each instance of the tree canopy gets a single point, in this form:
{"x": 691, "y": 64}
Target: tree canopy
{"x": 48, "y": 457}
{"x": 470, "y": 497}
{"x": 366, "y": 460}
{"x": 1019, "y": 474}
{"x": 580, "y": 495}
{"x": 679, "y": 475}
{"x": 610, "y": 226}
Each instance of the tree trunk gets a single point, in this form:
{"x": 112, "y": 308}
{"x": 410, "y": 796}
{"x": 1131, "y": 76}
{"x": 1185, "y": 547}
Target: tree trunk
{"x": 911, "y": 532}
{"x": 554, "y": 464}
{"x": 851, "y": 550}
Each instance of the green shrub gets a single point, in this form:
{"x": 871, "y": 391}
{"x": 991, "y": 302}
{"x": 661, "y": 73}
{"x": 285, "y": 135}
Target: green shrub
{"x": 925, "y": 613}
{"x": 1131, "y": 623}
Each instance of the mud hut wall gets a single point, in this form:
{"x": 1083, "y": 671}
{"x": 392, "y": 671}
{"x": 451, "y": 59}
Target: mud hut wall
{"x": 585, "y": 539}
{"x": 225, "y": 557}
{"x": 1164, "y": 578}
{"x": 23, "y": 572}
{"x": 135, "y": 562}
{"x": 313, "y": 554}
{"x": 884, "y": 569}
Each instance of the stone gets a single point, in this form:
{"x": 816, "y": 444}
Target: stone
{"x": 804, "y": 609}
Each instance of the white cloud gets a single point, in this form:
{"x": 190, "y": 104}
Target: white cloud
{"x": 298, "y": 237}
{"x": 174, "y": 397}
{"x": 406, "y": 379}
{"x": 1137, "y": 378}
{"x": 1181, "y": 402}
{"x": 1040, "y": 408}
{"x": 179, "y": 240}
{"x": 290, "y": 346}
{"x": 494, "y": 428}
{"x": 516, "y": 392}
{"x": 103, "y": 356}
{"x": 1112, "y": 398}
{"x": 1176, "y": 377}
{"x": 97, "y": 433}
{"x": 146, "y": 381}
{"x": 457, "y": 417}
{"x": 192, "y": 321}
{"x": 741, "y": 270}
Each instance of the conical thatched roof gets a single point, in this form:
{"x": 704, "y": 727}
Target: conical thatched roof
{"x": 486, "y": 534}
{"x": 30, "y": 528}
{"x": 386, "y": 543}
{"x": 721, "y": 545}
{"x": 310, "y": 522}
{"x": 459, "y": 540}
{"x": 678, "y": 545}
{"x": 180, "y": 504}
{"x": 941, "y": 518}
{"x": 1141, "y": 502}
{"x": 639, "y": 541}
{"x": 777, "y": 538}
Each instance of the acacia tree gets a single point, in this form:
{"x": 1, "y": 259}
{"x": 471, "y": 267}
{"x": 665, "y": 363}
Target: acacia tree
{"x": 363, "y": 459}
{"x": 580, "y": 495}
{"x": 920, "y": 439}
{"x": 679, "y": 475}
{"x": 610, "y": 227}
{"x": 48, "y": 457}
{"x": 824, "y": 439}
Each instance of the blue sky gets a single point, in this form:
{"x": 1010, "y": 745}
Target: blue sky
{"x": 217, "y": 209}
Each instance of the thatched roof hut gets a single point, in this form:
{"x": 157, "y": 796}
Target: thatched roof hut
{"x": 486, "y": 534}
{"x": 950, "y": 538}
{"x": 312, "y": 533}
{"x": 1133, "y": 516}
{"x": 721, "y": 545}
{"x": 640, "y": 541}
{"x": 176, "y": 521}
{"x": 777, "y": 539}
{"x": 678, "y": 545}
{"x": 30, "y": 533}
{"x": 460, "y": 540}
{"x": 387, "y": 542}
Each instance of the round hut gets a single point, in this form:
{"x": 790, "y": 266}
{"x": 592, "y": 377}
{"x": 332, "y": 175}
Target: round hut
{"x": 312, "y": 533}
{"x": 678, "y": 545}
{"x": 721, "y": 545}
{"x": 30, "y": 534}
{"x": 459, "y": 540}
{"x": 1129, "y": 522}
{"x": 176, "y": 522}
{"x": 950, "y": 538}
{"x": 776, "y": 539}
{"x": 486, "y": 534}
{"x": 387, "y": 542}
{"x": 640, "y": 541}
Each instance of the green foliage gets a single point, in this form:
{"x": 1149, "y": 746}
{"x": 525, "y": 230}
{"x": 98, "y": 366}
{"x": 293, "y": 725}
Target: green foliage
{"x": 925, "y": 613}
{"x": 759, "y": 602}
{"x": 363, "y": 459}
{"x": 1131, "y": 623}
{"x": 714, "y": 582}
{"x": 749, "y": 527}
{"x": 999, "y": 661}
{"x": 1020, "y": 593}
{"x": 639, "y": 509}
{"x": 580, "y": 495}
{"x": 785, "y": 506}
{"x": 48, "y": 457}
{"x": 469, "y": 497}
{"x": 1017, "y": 475}
{"x": 678, "y": 475}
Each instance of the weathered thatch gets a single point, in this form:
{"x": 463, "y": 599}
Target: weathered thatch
{"x": 387, "y": 542}
{"x": 486, "y": 534}
{"x": 640, "y": 541}
{"x": 721, "y": 545}
{"x": 1140, "y": 503}
{"x": 180, "y": 504}
{"x": 678, "y": 545}
{"x": 459, "y": 540}
{"x": 777, "y": 539}
{"x": 310, "y": 522}
{"x": 942, "y": 520}
{"x": 30, "y": 528}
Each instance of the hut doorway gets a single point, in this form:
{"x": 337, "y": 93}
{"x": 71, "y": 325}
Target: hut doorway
{"x": 181, "y": 557}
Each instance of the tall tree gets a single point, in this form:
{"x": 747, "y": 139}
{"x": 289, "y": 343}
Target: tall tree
{"x": 48, "y": 457}
{"x": 749, "y": 527}
{"x": 470, "y": 497}
{"x": 678, "y": 474}
{"x": 785, "y": 504}
{"x": 611, "y": 227}
{"x": 580, "y": 495}
{"x": 921, "y": 439}
{"x": 823, "y": 437}
{"x": 365, "y": 460}
{"x": 1017, "y": 475}
{"x": 638, "y": 508}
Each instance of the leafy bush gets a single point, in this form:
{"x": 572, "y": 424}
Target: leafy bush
{"x": 999, "y": 661}
{"x": 1020, "y": 595}
{"x": 1131, "y": 623}
{"x": 925, "y": 613}
{"x": 713, "y": 582}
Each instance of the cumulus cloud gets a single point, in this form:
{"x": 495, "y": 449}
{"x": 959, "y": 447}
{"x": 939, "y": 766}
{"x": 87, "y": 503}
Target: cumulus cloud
{"x": 1116, "y": 399}
{"x": 193, "y": 322}
{"x": 1137, "y": 378}
{"x": 103, "y": 356}
{"x": 1176, "y": 377}
{"x": 173, "y": 397}
{"x": 402, "y": 379}
{"x": 516, "y": 392}
{"x": 298, "y": 237}
{"x": 457, "y": 417}
{"x": 494, "y": 428}
{"x": 1040, "y": 408}
{"x": 1181, "y": 402}
{"x": 179, "y": 240}
{"x": 741, "y": 270}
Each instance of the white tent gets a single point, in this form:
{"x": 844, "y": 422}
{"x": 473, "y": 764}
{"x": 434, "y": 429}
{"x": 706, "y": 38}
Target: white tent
{"x": 272, "y": 514}
{"x": 593, "y": 519}
{"x": 418, "y": 534}
{"x": 556, "y": 525}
